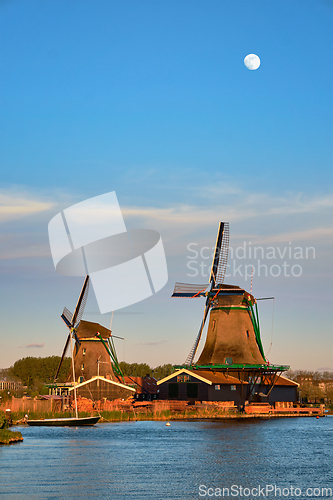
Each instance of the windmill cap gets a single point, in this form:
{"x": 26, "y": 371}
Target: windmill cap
{"x": 88, "y": 329}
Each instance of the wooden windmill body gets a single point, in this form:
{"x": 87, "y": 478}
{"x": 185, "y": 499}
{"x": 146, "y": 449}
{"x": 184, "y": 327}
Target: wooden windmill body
{"x": 91, "y": 357}
{"x": 95, "y": 368}
{"x": 231, "y": 338}
{"x": 233, "y": 343}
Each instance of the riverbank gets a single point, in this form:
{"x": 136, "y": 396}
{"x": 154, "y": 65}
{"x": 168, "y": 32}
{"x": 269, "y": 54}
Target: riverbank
{"x": 9, "y": 437}
{"x": 124, "y": 412}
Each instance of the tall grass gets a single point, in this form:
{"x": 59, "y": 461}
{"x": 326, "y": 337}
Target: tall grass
{"x": 7, "y": 436}
{"x": 132, "y": 414}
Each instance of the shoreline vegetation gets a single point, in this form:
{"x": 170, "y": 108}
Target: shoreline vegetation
{"x": 129, "y": 411}
{"x": 7, "y": 436}
{"x": 153, "y": 411}
{"x": 10, "y": 437}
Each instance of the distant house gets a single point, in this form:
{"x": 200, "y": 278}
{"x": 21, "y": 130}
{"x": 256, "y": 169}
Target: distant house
{"x": 284, "y": 390}
{"x": 145, "y": 387}
{"x": 99, "y": 387}
{"x": 195, "y": 385}
{"x": 95, "y": 388}
{"x": 205, "y": 385}
{"x": 8, "y": 385}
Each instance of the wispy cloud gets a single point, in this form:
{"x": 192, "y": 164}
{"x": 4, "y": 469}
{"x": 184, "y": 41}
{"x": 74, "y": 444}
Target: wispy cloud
{"x": 307, "y": 217}
{"x": 28, "y": 346}
{"x": 20, "y": 246}
{"x": 152, "y": 343}
{"x": 16, "y": 205}
{"x": 244, "y": 206}
{"x": 316, "y": 234}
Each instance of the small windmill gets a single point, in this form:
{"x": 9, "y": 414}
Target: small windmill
{"x": 92, "y": 342}
{"x": 72, "y": 321}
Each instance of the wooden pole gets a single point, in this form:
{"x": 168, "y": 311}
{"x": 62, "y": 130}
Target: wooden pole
{"x": 76, "y": 414}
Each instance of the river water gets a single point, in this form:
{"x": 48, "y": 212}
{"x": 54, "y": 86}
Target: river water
{"x": 188, "y": 460}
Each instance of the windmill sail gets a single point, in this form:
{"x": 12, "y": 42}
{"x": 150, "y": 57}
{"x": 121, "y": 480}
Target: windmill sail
{"x": 62, "y": 357}
{"x": 72, "y": 321}
{"x": 217, "y": 274}
{"x": 188, "y": 290}
{"x": 223, "y": 248}
{"x": 81, "y": 303}
{"x": 67, "y": 317}
{"x": 190, "y": 357}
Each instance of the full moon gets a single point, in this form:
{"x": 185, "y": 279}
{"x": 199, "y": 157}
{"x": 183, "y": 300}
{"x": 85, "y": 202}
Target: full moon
{"x": 252, "y": 61}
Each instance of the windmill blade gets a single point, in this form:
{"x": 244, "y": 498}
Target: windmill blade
{"x": 190, "y": 357}
{"x": 62, "y": 357}
{"x": 217, "y": 274}
{"x": 219, "y": 265}
{"x": 77, "y": 341}
{"x": 67, "y": 317}
{"x": 189, "y": 290}
{"x": 81, "y": 303}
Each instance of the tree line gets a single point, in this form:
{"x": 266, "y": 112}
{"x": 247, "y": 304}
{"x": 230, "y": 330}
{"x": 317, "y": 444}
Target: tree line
{"x": 143, "y": 370}
{"x": 314, "y": 386}
{"x": 36, "y": 372}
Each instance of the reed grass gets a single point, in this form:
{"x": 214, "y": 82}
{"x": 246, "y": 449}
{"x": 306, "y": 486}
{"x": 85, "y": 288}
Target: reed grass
{"x": 8, "y": 437}
{"x": 132, "y": 415}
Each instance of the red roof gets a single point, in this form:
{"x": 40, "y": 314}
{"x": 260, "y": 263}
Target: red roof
{"x": 217, "y": 377}
{"x": 285, "y": 381}
{"x": 143, "y": 385}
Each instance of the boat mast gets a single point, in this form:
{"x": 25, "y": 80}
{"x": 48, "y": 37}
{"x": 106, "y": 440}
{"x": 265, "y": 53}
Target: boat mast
{"x": 72, "y": 352}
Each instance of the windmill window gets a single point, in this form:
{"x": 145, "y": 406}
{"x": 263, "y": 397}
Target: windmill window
{"x": 217, "y": 387}
{"x": 80, "y": 380}
{"x": 233, "y": 387}
{"x": 228, "y": 361}
{"x": 84, "y": 352}
{"x": 82, "y": 367}
{"x": 247, "y": 333}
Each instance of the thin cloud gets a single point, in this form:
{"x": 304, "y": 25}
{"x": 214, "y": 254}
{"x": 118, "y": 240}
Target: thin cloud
{"x": 177, "y": 221}
{"x": 38, "y": 346}
{"x": 316, "y": 235}
{"x": 16, "y": 206}
{"x": 152, "y": 343}
{"x": 14, "y": 251}
{"x": 242, "y": 206}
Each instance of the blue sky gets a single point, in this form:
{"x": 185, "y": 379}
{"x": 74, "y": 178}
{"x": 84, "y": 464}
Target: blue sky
{"x": 152, "y": 100}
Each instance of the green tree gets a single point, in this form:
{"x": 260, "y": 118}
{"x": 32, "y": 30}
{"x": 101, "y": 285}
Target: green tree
{"x": 34, "y": 372}
{"x": 142, "y": 370}
{"x": 162, "y": 371}
{"x": 4, "y": 424}
{"x": 329, "y": 393}
{"x": 311, "y": 392}
{"x": 135, "y": 369}
{"x": 4, "y": 373}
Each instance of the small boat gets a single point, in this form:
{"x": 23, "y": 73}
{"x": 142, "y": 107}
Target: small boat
{"x": 64, "y": 422}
